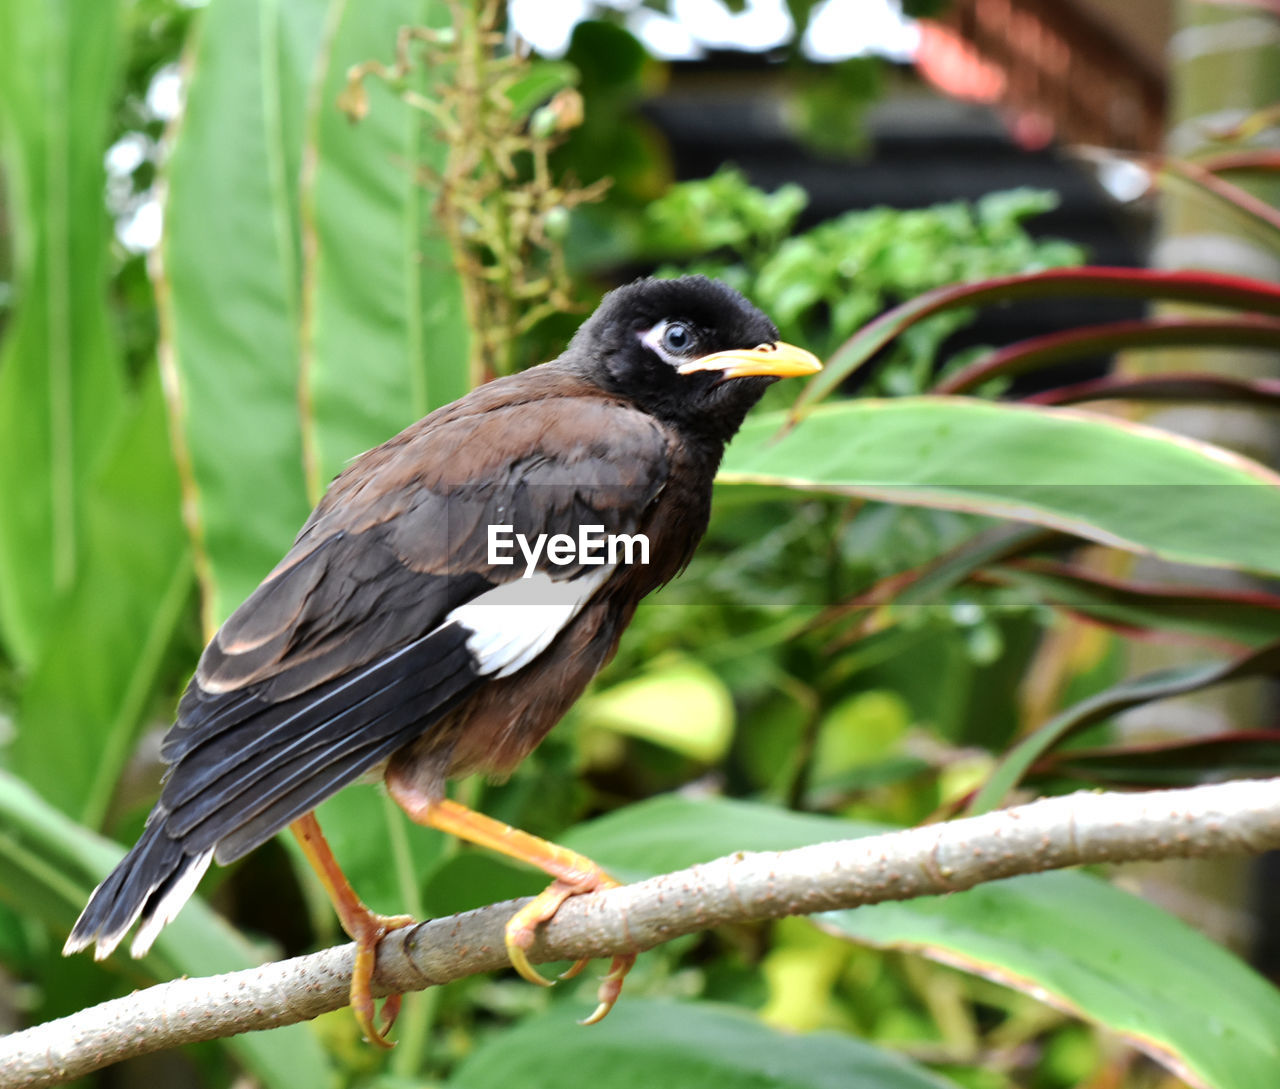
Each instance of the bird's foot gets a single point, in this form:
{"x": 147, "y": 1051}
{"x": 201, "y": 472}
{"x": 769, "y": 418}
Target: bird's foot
{"x": 575, "y": 875}
{"x": 368, "y": 930}
{"x": 523, "y": 925}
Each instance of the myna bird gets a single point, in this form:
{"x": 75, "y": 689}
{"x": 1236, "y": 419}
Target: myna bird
{"x": 404, "y": 634}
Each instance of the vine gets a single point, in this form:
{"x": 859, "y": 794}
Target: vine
{"x": 503, "y": 212}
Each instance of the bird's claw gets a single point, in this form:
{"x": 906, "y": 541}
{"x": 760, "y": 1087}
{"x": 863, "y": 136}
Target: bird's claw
{"x": 610, "y": 987}
{"x": 524, "y": 923}
{"x": 372, "y": 929}
{"x": 574, "y": 970}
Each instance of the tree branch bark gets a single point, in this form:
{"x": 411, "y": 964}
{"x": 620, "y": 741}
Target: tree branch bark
{"x": 1228, "y": 818}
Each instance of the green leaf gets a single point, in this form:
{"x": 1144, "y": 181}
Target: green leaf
{"x": 49, "y": 865}
{"x": 828, "y": 104}
{"x": 82, "y": 706}
{"x": 1184, "y": 762}
{"x": 1160, "y": 684}
{"x": 1251, "y": 215}
{"x": 722, "y": 211}
{"x": 1065, "y": 938}
{"x": 1106, "y": 956}
{"x": 385, "y": 338}
{"x": 540, "y": 82}
{"x": 681, "y": 705}
{"x": 1248, "y": 617}
{"x": 929, "y": 581}
{"x": 676, "y": 1044}
{"x": 1103, "y": 479}
{"x": 230, "y": 248}
{"x": 61, "y": 385}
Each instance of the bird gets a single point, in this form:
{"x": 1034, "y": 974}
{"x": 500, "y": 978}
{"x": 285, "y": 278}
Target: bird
{"x": 404, "y": 636}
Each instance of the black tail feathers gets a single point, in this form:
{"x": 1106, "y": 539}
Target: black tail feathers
{"x": 243, "y": 768}
{"x": 149, "y": 886}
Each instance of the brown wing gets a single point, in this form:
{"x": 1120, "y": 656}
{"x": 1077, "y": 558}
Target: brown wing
{"x": 342, "y": 654}
{"x": 400, "y": 539}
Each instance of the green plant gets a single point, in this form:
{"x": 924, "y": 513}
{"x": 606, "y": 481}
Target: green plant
{"x": 500, "y": 114}
{"x": 821, "y": 285}
{"x": 845, "y": 653}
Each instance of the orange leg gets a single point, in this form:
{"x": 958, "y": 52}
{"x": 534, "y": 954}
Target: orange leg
{"x": 367, "y": 927}
{"x": 574, "y": 875}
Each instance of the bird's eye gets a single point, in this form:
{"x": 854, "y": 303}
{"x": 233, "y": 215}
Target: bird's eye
{"x": 677, "y": 338}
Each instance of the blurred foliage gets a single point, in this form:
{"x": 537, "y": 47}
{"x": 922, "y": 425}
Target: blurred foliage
{"x": 827, "y": 106}
{"x": 500, "y": 115}
{"x": 822, "y": 285}
{"x": 856, "y": 641}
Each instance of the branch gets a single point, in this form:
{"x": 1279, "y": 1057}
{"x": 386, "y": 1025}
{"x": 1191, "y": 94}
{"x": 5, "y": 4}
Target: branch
{"x": 1229, "y": 818}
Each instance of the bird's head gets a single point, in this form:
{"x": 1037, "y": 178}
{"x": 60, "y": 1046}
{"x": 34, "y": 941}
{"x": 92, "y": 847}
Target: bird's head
{"x": 692, "y": 352}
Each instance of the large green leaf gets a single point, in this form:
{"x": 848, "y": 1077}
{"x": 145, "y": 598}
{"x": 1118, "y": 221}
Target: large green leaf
{"x": 60, "y": 381}
{"x": 385, "y": 339}
{"x": 229, "y": 288}
{"x": 49, "y": 864}
{"x": 1104, "y": 479}
{"x": 679, "y": 1044}
{"x": 93, "y": 570}
{"x": 82, "y": 705}
{"x": 1066, "y": 938}
{"x": 335, "y": 318}
{"x": 1097, "y": 952}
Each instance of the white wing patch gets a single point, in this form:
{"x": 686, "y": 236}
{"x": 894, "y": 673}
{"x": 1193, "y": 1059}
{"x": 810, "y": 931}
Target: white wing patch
{"x": 513, "y": 623}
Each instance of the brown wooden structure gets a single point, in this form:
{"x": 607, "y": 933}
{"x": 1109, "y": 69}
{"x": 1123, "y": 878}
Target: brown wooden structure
{"x": 1056, "y": 70}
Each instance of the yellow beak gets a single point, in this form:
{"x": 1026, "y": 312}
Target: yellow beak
{"x": 778, "y": 360}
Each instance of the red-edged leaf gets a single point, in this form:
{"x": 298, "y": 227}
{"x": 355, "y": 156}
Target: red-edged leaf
{"x": 1261, "y": 159}
{"x": 1203, "y": 288}
{"x": 1159, "y": 685}
{"x": 1250, "y": 210}
{"x": 1248, "y": 331}
{"x": 1169, "y": 386}
{"x": 1259, "y": 121}
{"x": 1184, "y": 762}
{"x": 1240, "y": 617}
